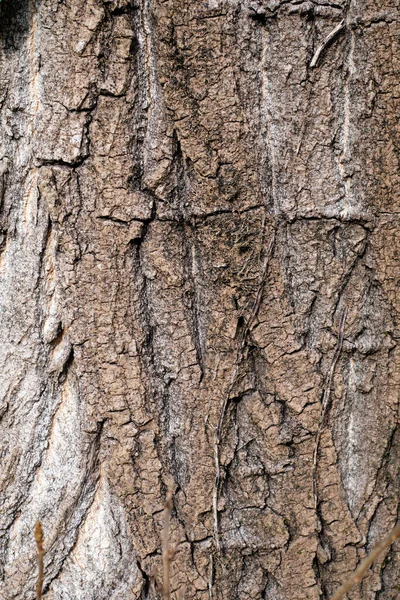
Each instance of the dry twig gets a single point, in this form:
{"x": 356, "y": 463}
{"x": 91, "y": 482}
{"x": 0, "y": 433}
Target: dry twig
{"x": 39, "y": 542}
{"x": 211, "y": 577}
{"x": 239, "y": 357}
{"x": 326, "y": 402}
{"x": 166, "y": 551}
{"x": 360, "y": 572}
{"x": 327, "y": 41}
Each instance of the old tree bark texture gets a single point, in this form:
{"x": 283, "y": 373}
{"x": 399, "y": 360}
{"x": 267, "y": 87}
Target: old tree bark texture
{"x": 193, "y": 195}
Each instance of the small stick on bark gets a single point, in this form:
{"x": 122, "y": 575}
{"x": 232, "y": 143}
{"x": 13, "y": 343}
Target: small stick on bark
{"x": 326, "y": 403}
{"x": 166, "y": 552}
{"x": 211, "y": 577}
{"x": 39, "y": 542}
{"x": 239, "y": 357}
{"x": 360, "y": 572}
{"x": 327, "y": 41}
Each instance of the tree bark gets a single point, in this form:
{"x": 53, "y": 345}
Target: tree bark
{"x": 199, "y": 288}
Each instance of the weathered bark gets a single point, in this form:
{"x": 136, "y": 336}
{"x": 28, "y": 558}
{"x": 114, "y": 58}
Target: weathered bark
{"x": 193, "y": 194}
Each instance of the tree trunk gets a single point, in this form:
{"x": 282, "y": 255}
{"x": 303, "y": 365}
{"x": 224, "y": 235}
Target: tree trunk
{"x": 199, "y": 288}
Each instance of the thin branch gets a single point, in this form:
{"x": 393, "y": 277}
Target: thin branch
{"x": 327, "y": 41}
{"x": 166, "y": 552}
{"x": 239, "y": 356}
{"x": 256, "y": 304}
{"x": 39, "y": 542}
{"x": 360, "y": 572}
{"x": 326, "y": 401}
{"x": 210, "y": 577}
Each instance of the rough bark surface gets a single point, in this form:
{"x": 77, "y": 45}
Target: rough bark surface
{"x": 194, "y": 195}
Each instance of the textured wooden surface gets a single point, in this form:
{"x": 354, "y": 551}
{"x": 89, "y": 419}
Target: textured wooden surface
{"x": 152, "y": 153}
